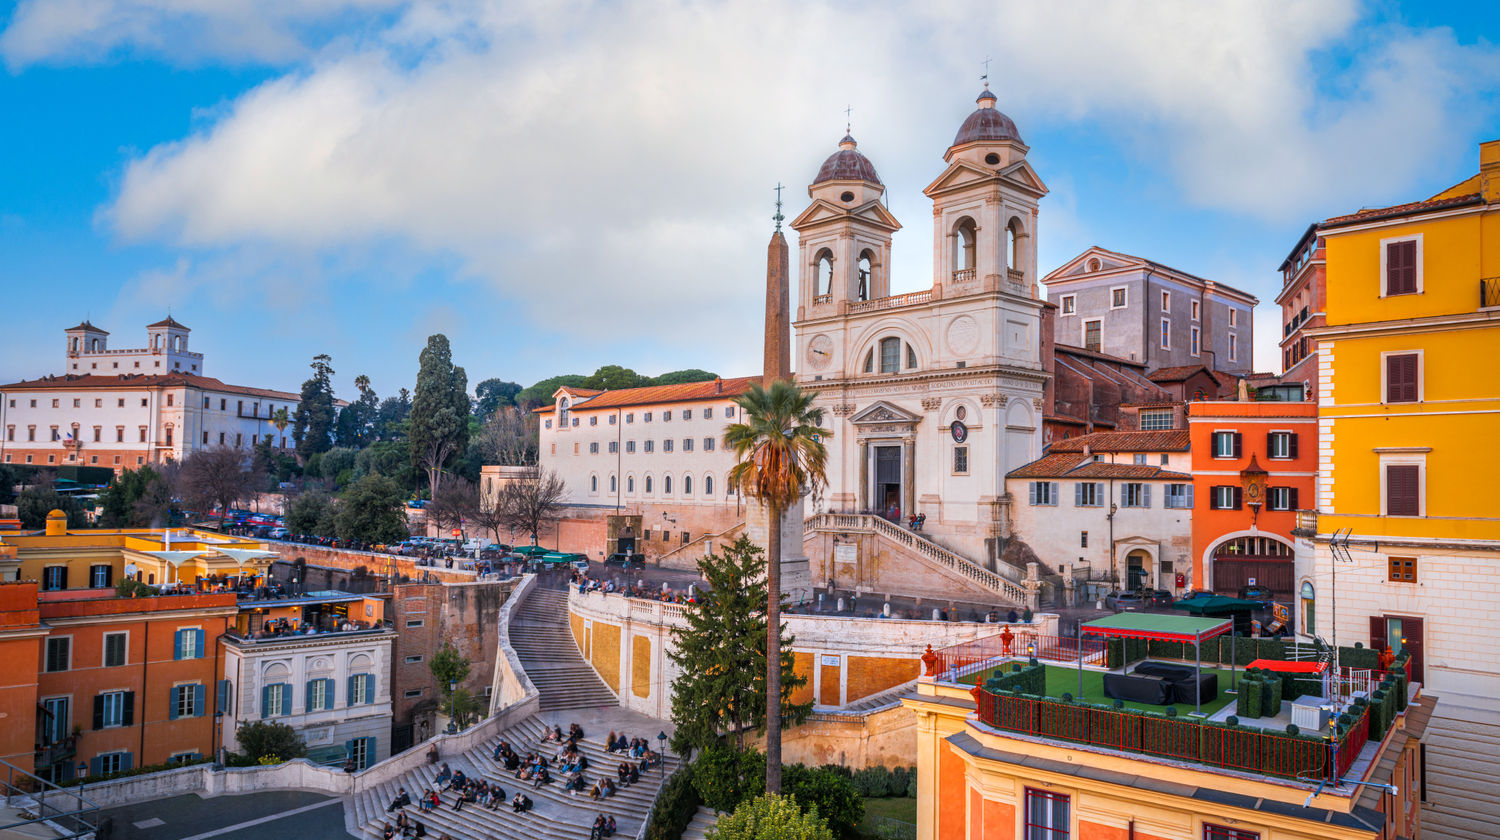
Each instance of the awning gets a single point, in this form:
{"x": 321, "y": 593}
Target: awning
{"x": 1217, "y": 605}
{"x": 241, "y": 556}
{"x": 1169, "y": 628}
{"x": 1289, "y": 667}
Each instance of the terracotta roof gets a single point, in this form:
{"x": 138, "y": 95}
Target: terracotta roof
{"x": 1165, "y": 440}
{"x": 713, "y": 389}
{"x": 1181, "y": 373}
{"x": 1073, "y": 350}
{"x": 1408, "y": 209}
{"x": 74, "y": 382}
{"x": 87, "y": 326}
{"x": 167, "y": 322}
{"x": 1152, "y": 404}
{"x": 1072, "y": 465}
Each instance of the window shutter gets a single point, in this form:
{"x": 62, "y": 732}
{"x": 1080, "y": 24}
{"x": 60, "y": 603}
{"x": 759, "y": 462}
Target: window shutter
{"x": 1145, "y": 495}
{"x": 127, "y": 761}
{"x": 1377, "y": 632}
{"x": 1401, "y": 378}
{"x": 332, "y": 689}
{"x": 1078, "y": 494}
{"x": 1052, "y": 494}
{"x": 308, "y": 697}
{"x": 198, "y": 693}
{"x": 286, "y": 699}
{"x": 1402, "y": 493}
{"x": 1292, "y": 447}
{"x": 265, "y": 702}
{"x": 221, "y": 697}
{"x": 369, "y": 688}
{"x": 1239, "y": 445}
{"x": 96, "y": 764}
{"x": 1239, "y": 498}
{"x": 1033, "y": 493}
{"x": 1270, "y": 444}
{"x": 98, "y": 711}
{"x": 127, "y": 711}
{"x": 198, "y": 646}
{"x": 1401, "y": 268}
{"x": 177, "y": 644}
{"x": 1189, "y": 489}
{"x": 172, "y": 702}
{"x": 349, "y": 698}
{"x": 1291, "y": 494}
{"x": 109, "y": 575}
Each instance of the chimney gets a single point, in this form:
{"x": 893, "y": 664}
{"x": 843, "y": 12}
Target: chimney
{"x": 1489, "y": 171}
{"x": 718, "y": 385}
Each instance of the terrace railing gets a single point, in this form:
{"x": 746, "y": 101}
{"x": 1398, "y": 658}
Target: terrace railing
{"x": 967, "y": 658}
{"x": 1251, "y": 751}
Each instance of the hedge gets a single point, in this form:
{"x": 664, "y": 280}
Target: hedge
{"x": 882, "y": 782}
{"x": 1029, "y": 680}
{"x": 135, "y": 771}
{"x": 676, "y": 805}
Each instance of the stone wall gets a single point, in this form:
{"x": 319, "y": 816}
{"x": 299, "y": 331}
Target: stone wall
{"x": 882, "y": 738}
{"x": 375, "y": 564}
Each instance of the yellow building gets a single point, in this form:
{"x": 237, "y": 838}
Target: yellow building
{"x": 60, "y": 558}
{"x": 1403, "y": 546}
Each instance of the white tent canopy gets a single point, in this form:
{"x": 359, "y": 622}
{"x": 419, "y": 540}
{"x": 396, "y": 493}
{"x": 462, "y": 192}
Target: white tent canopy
{"x": 175, "y": 558}
{"x": 241, "y": 556}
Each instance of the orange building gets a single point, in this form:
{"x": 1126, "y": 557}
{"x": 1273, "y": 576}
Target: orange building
{"x": 97, "y": 683}
{"x": 1254, "y": 465}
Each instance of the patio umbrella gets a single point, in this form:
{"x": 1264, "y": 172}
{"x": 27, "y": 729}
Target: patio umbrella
{"x": 174, "y": 558}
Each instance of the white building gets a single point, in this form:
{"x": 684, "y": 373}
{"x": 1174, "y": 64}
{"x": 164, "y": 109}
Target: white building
{"x": 655, "y": 452}
{"x": 933, "y": 396}
{"x": 334, "y": 688}
{"x": 1114, "y": 507}
{"x": 124, "y": 408}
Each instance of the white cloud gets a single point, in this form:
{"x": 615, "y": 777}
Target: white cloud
{"x": 608, "y": 165}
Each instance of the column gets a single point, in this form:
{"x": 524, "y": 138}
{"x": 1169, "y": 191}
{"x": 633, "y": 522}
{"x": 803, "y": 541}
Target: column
{"x": 864, "y": 476}
{"x": 908, "y": 477}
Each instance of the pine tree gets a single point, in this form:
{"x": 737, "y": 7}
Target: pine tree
{"x": 312, "y": 427}
{"x": 722, "y": 654}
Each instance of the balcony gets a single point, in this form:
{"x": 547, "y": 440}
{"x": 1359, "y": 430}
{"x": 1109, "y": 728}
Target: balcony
{"x": 892, "y": 302}
{"x": 963, "y": 275}
{"x": 819, "y": 300}
{"x": 1489, "y": 292}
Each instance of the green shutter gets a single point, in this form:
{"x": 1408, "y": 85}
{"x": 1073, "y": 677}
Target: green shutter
{"x": 286, "y": 699}
{"x": 369, "y": 688}
{"x": 265, "y": 702}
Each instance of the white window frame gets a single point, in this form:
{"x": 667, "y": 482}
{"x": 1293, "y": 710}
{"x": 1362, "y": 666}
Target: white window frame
{"x": 183, "y": 693}
{"x": 117, "y": 700}
{"x": 1177, "y": 501}
{"x": 1419, "y": 459}
{"x": 1273, "y": 492}
{"x": 1234, "y": 317}
{"x": 317, "y": 691}
{"x": 274, "y": 700}
{"x": 1234, "y": 347}
{"x": 1083, "y": 334}
{"x": 1213, "y": 444}
{"x": 1067, "y": 305}
{"x": 1166, "y": 301}
{"x": 1124, "y": 297}
{"x": 1384, "y": 277}
{"x": 1195, "y": 340}
{"x": 1154, "y": 413}
{"x": 1139, "y": 492}
{"x": 1213, "y": 497}
{"x": 1045, "y": 493}
{"x": 1421, "y": 374}
{"x": 1166, "y": 333}
{"x": 1271, "y": 454}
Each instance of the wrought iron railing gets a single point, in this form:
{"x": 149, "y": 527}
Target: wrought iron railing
{"x": 39, "y": 808}
{"x": 1489, "y": 292}
{"x": 962, "y": 565}
{"x": 961, "y": 660}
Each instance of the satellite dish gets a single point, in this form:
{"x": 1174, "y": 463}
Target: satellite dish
{"x": 130, "y": 570}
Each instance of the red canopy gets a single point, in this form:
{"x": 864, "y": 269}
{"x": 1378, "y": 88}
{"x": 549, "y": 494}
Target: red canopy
{"x": 1289, "y": 667}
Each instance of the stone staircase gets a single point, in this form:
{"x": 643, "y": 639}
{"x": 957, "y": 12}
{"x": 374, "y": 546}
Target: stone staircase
{"x": 555, "y": 813}
{"x": 540, "y": 636}
{"x": 1463, "y": 773}
{"x": 702, "y": 822}
{"x": 943, "y": 560}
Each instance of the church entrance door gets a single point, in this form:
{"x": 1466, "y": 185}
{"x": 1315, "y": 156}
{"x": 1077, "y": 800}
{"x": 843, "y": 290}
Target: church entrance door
{"x": 888, "y": 482}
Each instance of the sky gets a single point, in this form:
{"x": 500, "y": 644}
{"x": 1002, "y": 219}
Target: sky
{"x": 562, "y": 184}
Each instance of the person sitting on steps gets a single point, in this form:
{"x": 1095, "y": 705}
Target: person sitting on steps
{"x": 402, "y": 800}
{"x": 521, "y": 804}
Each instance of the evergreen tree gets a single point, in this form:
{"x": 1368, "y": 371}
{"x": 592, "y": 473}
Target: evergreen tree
{"x": 439, "y": 411}
{"x": 492, "y": 394}
{"x": 679, "y": 377}
{"x": 722, "y": 654}
{"x": 356, "y": 424}
{"x": 39, "y": 499}
{"x": 614, "y": 377}
{"x": 373, "y": 511}
{"x": 541, "y": 393}
{"x": 390, "y": 420}
{"x": 313, "y": 425}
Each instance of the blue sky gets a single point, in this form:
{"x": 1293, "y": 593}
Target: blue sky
{"x": 560, "y": 185}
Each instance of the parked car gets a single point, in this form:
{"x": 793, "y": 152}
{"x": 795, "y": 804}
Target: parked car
{"x": 1263, "y": 594}
{"x": 1131, "y": 599}
{"x": 279, "y": 533}
{"x": 1195, "y": 594}
{"x": 1160, "y": 598}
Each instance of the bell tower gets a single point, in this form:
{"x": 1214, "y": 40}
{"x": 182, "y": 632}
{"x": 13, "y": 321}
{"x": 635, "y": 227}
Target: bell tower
{"x": 844, "y": 236}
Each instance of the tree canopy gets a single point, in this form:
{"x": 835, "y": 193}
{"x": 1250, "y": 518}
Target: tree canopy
{"x": 492, "y": 394}
{"x": 215, "y": 479}
{"x": 269, "y": 739}
{"x": 372, "y": 510}
{"x": 680, "y": 377}
{"x": 439, "y": 410}
{"x": 541, "y": 393}
{"x": 770, "y": 817}
{"x": 37, "y": 500}
{"x": 313, "y": 424}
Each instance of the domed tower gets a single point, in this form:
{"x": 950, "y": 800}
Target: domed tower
{"x": 844, "y": 236}
{"x": 985, "y": 207}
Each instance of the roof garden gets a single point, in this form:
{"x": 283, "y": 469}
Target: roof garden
{"x": 1181, "y": 688}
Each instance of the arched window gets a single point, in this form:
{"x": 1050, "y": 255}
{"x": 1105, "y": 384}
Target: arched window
{"x": 562, "y": 412}
{"x": 1309, "y": 610}
{"x": 890, "y": 355}
{"x": 612, "y": 483}
{"x": 73, "y": 344}
{"x": 911, "y": 358}
{"x": 687, "y": 485}
{"x": 666, "y": 485}
{"x": 648, "y": 485}
{"x": 630, "y": 484}
{"x": 870, "y": 362}
{"x": 708, "y": 485}
{"x": 966, "y": 253}
{"x": 1012, "y": 238}
{"x": 823, "y": 271}
{"x": 866, "y": 273}
{"x": 593, "y": 484}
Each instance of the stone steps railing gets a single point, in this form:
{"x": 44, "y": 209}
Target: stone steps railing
{"x": 683, "y": 550}
{"x": 866, "y": 523}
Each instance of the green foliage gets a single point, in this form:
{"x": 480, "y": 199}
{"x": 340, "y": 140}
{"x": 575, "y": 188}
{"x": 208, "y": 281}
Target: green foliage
{"x": 391, "y": 419}
{"x": 541, "y": 393}
{"x": 259, "y": 739}
{"x": 721, "y": 650}
{"x": 681, "y": 377}
{"x": 676, "y": 805}
{"x": 313, "y": 424}
{"x": 305, "y": 512}
{"x": 1031, "y": 679}
{"x": 439, "y": 427}
{"x": 448, "y": 666}
{"x": 1248, "y": 703}
{"x": 37, "y": 500}
{"x": 134, "y": 771}
{"x": 336, "y": 462}
{"x": 10, "y": 476}
{"x": 128, "y": 500}
{"x": 1360, "y": 657}
{"x": 613, "y": 378}
{"x": 724, "y": 776}
{"x": 390, "y": 458}
{"x": 770, "y": 817}
{"x": 492, "y": 394}
{"x": 372, "y": 510}
{"x": 827, "y": 793}
{"x": 130, "y": 588}
{"x": 356, "y": 423}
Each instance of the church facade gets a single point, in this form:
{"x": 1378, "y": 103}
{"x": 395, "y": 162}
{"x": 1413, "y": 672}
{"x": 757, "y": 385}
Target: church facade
{"x": 932, "y": 396}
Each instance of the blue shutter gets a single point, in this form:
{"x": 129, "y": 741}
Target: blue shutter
{"x": 1146, "y": 499}
{"x": 265, "y": 702}
{"x": 172, "y": 701}
{"x": 286, "y": 699}
{"x": 1078, "y": 494}
{"x": 221, "y": 701}
{"x": 369, "y": 688}
{"x": 1053, "y": 497}
{"x": 332, "y": 692}
{"x": 127, "y": 761}
{"x": 307, "y": 698}
{"x": 177, "y": 644}
{"x": 370, "y": 756}
{"x": 349, "y": 698}
{"x": 198, "y": 644}
{"x": 96, "y": 765}
{"x": 198, "y": 692}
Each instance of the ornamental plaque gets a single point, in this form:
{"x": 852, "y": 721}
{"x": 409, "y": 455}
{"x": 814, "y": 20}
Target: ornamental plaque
{"x": 959, "y": 431}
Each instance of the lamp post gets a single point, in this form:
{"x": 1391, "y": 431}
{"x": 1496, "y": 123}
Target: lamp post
{"x": 452, "y": 706}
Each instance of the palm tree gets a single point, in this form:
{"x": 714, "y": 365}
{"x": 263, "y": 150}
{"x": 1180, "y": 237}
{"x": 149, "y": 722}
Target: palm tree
{"x": 281, "y": 419}
{"x": 779, "y": 457}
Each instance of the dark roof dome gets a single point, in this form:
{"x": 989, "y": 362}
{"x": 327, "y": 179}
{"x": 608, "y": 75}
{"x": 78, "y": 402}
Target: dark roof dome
{"x": 847, "y": 164}
{"x": 986, "y": 124}
{"x": 168, "y": 321}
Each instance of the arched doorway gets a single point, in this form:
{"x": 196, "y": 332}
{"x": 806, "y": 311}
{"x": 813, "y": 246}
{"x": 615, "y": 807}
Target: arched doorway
{"x": 1253, "y": 560}
{"x": 1138, "y": 572}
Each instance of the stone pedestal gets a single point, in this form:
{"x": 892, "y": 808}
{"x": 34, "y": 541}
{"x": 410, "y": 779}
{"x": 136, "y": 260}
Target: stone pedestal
{"x": 796, "y": 574}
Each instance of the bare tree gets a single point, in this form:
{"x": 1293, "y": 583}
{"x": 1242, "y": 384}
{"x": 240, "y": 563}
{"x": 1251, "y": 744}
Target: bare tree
{"x": 530, "y": 501}
{"x": 454, "y": 505}
{"x": 509, "y": 437}
{"x": 216, "y": 477}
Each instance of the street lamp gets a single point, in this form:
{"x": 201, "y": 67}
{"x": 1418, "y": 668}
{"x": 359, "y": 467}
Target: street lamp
{"x": 452, "y": 706}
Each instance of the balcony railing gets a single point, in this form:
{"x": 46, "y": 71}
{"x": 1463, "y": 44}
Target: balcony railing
{"x": 822, "y": 299}
{"x": 1489, "y": 292}
{"x": 963, "y": 275}
{"x": 892, "y": 302}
